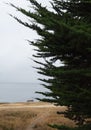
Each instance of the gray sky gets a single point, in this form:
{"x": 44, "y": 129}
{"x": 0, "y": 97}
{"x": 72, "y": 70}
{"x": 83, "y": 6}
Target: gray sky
{"x": 15, "y": 65}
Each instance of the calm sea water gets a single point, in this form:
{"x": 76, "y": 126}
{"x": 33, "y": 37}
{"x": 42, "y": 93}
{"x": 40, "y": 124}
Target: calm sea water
{"x": 19, "y": 92}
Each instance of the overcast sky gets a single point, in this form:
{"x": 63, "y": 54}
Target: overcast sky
{"x": 15, "y": 52}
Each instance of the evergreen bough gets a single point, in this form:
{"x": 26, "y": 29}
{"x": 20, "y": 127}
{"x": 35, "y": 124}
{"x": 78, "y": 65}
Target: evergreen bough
{"x": 65, "y": 37}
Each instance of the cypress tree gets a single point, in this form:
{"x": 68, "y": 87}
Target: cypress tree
{"x": 65, "y": 37}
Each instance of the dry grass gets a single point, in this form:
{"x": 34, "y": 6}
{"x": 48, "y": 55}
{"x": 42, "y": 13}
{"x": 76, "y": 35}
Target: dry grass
{"x": 15, "y": 119}
{"x": 31, "y": 118}
{"x": 50, "y": 116}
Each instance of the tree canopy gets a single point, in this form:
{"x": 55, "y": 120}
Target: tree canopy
{"x": 65, "y": 37}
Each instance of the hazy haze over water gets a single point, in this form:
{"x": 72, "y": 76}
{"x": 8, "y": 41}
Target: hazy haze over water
{"x": 19, "y": 92}
{"x": 15, "y": 55}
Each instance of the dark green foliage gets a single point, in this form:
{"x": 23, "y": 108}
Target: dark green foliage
{"x": 65, "y": 37}
{"x": 84, "y": 127}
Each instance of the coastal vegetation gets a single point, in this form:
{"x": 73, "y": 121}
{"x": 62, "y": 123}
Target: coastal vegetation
{"x": 15, "y": 119}
{"x": 65, "y": 46}
{"x": 31, "y": 116}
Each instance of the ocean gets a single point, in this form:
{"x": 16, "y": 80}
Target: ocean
{"x": 20, "y": 92}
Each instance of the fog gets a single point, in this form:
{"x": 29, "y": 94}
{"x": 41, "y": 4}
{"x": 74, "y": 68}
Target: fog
{"x": 15, "y": 52}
